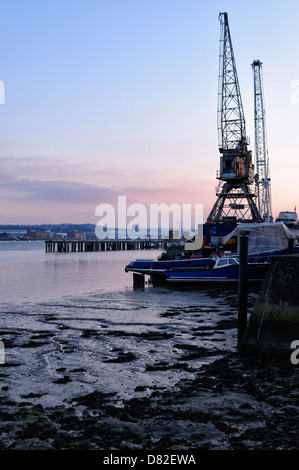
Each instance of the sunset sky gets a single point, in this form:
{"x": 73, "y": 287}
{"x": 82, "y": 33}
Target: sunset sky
{"x": 105, "y": 98}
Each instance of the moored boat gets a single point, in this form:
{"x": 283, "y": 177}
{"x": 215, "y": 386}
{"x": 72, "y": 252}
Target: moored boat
{"x": 265, "y": 240}
{"x": 290, "y": 219}
{"x": 178, "y": 255}
{"x": 160, "y": 266}
{"x": 224, "y": 271}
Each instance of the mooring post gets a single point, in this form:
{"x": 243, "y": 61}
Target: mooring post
{"x": 138, "y": 280}
{"x": 243, "y": 284}
{"x": 291, "y": 246}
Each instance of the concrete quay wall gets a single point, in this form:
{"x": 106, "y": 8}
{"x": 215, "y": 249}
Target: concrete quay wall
{"x": 274, "y": 321}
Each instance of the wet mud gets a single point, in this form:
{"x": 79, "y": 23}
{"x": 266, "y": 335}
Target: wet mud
{"x": 234, "y": 403}
{"x": 171, "y": 379}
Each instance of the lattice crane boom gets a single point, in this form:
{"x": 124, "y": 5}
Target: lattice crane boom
{"x": 262, "y": 176}
{"x": 231, "y": 120}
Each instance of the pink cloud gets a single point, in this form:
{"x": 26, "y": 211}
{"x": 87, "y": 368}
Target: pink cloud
{"x": 65, "y": 191}
{"x": 4, "y": 177}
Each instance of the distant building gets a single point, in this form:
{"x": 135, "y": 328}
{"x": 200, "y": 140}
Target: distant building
{"x": 33, "y": 235}
{"x": 61, "y": 236}
{"x": 72, "y": 234}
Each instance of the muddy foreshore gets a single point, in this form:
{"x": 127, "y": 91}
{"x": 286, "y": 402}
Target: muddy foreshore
{"x": 235, "y": 403}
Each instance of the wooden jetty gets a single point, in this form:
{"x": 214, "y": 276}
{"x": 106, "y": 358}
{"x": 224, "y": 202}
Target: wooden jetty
{"x": 71, "y": 246}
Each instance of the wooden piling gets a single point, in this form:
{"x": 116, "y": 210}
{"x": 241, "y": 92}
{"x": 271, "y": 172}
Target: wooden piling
{"x": 138, "y": 280}
{"x": 243, "y": 284}
{"x": 291, "y": 246}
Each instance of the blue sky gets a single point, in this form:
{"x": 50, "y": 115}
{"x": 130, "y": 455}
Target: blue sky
{"x": 119, "y": 97}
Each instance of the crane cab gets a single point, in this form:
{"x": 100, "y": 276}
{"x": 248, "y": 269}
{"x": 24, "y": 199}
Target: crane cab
{"x": 234, "y": 167}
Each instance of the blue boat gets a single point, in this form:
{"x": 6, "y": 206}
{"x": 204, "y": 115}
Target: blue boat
{"x": 176, "y": 256}
{"x": 265, "y": 240}
{"x": 150, "y": 266}
{"x": 224, "y": 271}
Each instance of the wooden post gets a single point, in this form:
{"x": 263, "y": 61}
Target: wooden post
{"x": 243, "y": 284}
{"x": 138, "y": 280}
{"x": 291, "y": 246}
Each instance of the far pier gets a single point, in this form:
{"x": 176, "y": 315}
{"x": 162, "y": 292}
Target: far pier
{"x": 72, "y": 246}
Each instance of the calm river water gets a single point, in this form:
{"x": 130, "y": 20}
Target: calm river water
{"x": 71, "y": 323}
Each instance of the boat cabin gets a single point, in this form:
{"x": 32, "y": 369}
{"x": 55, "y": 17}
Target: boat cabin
{"x": 225, "y": 262}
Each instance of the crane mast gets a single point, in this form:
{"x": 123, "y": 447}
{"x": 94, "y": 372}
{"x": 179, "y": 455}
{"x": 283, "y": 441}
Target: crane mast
{"x": 261, "y": 153}
{"x": 235, "y": 202}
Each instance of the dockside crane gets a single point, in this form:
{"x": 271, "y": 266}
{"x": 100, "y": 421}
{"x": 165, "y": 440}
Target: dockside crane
{"x": 262, "y": 176}
{"x": 235, "y": 202}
